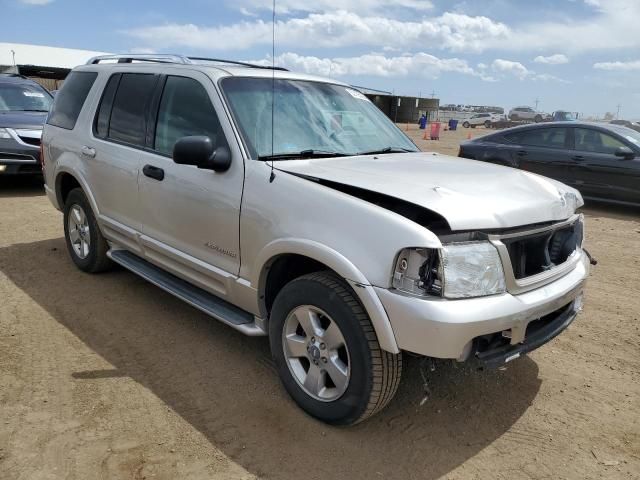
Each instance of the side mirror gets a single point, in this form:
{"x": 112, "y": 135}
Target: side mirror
{"x": 625, "y": 152}
{"x": 199, "y": 151}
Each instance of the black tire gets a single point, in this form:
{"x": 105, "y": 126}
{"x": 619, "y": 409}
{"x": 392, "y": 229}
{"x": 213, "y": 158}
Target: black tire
{"x": 375, "y": 373}
{"x": 96, "y": 260}
{"x": 487, "y": 124}
{"x": 537, "y": 118}
{"x": 514, "y": 117}
{"x": 465, "y": 124}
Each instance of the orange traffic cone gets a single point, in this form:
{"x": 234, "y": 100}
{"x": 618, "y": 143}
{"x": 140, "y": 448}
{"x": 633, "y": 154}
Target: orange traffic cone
{"x": 469, "y": 136}
{"x": 424, "y": 137}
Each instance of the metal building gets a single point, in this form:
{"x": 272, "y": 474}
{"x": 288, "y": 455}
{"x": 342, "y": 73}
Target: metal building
{"x": 402, "y": 109}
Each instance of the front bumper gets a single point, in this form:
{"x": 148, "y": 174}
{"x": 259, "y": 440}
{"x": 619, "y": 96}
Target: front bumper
{"x": 17, "y": 157}
{"x": 444, "y": 328}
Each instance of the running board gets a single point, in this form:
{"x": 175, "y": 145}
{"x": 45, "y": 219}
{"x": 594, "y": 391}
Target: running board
{"x": 194, "y": 296}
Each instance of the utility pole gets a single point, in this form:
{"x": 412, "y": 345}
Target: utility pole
{"x": 433, "y": 94}
{"x": 618, "y": 112}
{"x": 13, "y": 53}
{"x": 537, "y": 102}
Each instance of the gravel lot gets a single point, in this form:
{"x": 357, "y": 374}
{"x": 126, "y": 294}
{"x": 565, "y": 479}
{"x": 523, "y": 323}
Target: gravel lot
{"x": 106, "y": 376}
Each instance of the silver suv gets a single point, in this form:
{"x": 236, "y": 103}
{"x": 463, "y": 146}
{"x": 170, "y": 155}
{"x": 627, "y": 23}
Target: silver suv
{"x": 289, "y": 206}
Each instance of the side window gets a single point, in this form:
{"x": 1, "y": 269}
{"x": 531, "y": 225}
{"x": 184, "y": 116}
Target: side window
{"x": 540, "y": 137}
{"x": 185, "y": 110}
{"x": 588, "y": 140}
{"x": 70, "y": 98}
{"x": 128, "y": 115}
{"x": 101, "y": 125}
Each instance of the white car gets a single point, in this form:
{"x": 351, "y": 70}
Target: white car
{"x": 527, "y": 113}
{"x": 481, "y": 119}
{"x": 331, "y": 234}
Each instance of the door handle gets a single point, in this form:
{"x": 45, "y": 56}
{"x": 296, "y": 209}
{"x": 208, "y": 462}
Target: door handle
{"x": 521, "y": 153}
{"x": 153, "y": 172}
{"x": 88, "y": 151}
{"x": 578, "y": 158}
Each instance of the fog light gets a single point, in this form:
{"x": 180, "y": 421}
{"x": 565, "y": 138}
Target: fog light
{"x": 2, "y": 168}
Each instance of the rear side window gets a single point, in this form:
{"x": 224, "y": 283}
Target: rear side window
{"x": 101, "y": 128}
{"x": 70, "y": 98}
{"x": 185, "y": 109}
{"x": 540, "y": 137}
{"x": 128, "y": 114}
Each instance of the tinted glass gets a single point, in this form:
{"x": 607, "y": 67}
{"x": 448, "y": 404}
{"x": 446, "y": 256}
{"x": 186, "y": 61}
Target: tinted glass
{"x": 104, "y": 109}
{"x": 128, "y": 122}
{"x": 23, "y": 97}
{"x": 588, "y": 140}
{"x": 70, "y": 98}
{"x": 185, "y": 109}
{"x": 540, "y": 137}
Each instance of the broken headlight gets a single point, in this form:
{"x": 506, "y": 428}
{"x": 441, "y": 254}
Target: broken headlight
{"x": 457, "y": 270}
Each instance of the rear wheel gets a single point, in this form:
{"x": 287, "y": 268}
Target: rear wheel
{"x": 85, "y": 243}
{"x": 537, "y": 118}
{"x": 465, "y": 124}
{"x": 327, "y": 352}
{"x": 487, "y": 124}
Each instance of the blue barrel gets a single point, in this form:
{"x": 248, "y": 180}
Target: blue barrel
{"x": 453, "y": 124}
{"x": 423, "y": 122}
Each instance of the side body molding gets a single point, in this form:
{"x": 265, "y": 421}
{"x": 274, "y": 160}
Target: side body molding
{"x": 343, "y": 267}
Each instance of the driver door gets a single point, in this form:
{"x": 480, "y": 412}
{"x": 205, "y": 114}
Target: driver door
{"x": 190, "y": 215}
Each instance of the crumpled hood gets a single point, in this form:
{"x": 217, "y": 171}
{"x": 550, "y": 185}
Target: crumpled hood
{"x": 469, "y": 194}
{"x": 27, "y": 120}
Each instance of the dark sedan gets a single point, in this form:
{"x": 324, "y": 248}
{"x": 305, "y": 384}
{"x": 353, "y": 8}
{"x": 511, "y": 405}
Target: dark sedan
{"x": 23, "y": 108}
{"x": 602, "y": 161}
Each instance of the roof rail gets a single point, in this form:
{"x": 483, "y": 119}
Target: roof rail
{"x": 171, "y": 58}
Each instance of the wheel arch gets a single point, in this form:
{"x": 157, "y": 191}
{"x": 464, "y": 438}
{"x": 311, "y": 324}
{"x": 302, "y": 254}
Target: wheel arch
{"x": 283, "y": 260}
{"x": 67, "y": 180}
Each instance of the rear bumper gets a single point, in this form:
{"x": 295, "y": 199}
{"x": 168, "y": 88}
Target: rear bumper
{"x": 451, "y": 328}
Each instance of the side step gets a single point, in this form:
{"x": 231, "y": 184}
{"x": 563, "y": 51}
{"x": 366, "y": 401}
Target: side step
{"x": 194, "y": 296}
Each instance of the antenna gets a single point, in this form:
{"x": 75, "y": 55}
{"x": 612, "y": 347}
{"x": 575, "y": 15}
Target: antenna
{"x": 272, "y": 177}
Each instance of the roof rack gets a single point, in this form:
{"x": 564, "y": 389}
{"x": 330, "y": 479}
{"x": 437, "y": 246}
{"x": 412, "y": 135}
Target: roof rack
{"x": 170, "y": 58}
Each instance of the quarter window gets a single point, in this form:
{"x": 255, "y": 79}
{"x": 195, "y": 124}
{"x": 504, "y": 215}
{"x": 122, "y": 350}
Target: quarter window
{"x": 588, "y": 140}
{"x": 69, "y": 100}
{"x": 185, "y": 110}
{"x": 128, "y": 115}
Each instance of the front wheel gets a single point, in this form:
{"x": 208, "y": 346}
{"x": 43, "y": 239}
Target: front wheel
{"x": 537, "y": 118}
{"x": 327, "y": 353}
{"x": 487, "y": 124}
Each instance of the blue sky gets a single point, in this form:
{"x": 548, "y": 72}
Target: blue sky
{"x": 579, "y": 55}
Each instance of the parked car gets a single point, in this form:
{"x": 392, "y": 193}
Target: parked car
{"x": 481, "y": 119}
{"x": 330, "y": 233}
{"x": 23, "y": 108}
{"x": 626, "y": 123}
{"x": 527, "y": 113}
{"x": 601, "y": 160}
{"x": 564, "y": 116}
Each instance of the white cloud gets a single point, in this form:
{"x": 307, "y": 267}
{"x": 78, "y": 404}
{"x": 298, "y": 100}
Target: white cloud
{"x": 36, "y": 2}
{"x": 373, "y": 64}
{"x": 619, "y": 66}
{"x": 451, "y": 31}
{"x": 509, "y": 67}
{"x": 290, "y": 6}
{"x": 556, "y": 59}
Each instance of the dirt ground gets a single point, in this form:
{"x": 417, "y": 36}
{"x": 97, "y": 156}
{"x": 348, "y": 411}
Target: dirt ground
{"x": 107, "y": 377}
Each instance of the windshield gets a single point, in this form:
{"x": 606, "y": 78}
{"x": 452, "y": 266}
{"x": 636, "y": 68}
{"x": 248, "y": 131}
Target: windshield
{"x": 308, "y": 117}
{"x": 628, "y": 133}
{"x": 22, "y": 97}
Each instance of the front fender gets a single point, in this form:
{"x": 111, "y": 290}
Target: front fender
{"x": 344, "y": 268}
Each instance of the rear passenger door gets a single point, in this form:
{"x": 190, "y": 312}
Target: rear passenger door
{"x": 114, "y": 154}
{"x": 544, "y": 151}
{"x": 191, "y": 215}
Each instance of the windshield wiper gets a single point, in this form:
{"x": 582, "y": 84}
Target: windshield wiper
{"x": 31, "y": 110}
{"x": 386, "y": 150}
{"x": 303, "y": 154}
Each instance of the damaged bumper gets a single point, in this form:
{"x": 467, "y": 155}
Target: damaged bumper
{"x": 496, "y": 328}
